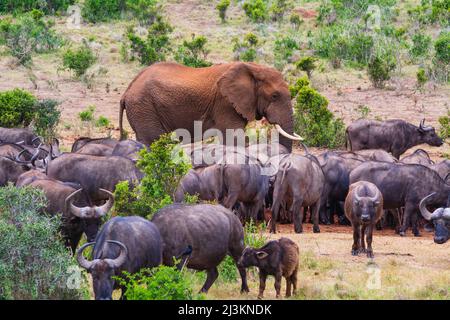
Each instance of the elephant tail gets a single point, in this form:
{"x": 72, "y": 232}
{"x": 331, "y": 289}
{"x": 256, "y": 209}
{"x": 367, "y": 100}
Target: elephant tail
{"x": 122, "y": 108}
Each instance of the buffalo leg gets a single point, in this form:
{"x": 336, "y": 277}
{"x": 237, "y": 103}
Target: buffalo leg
{"x": 297, "y": 211}
{"x": 278, "y": 195}
{"x": 278, "y": 278}
{"x": 355, "y": 247}
{"x": 288, "y": 286}
{"x": 409, "y": 211}
{"x": 262, "y": 284}
{"x": 230, "y": 200}
{"x": 362, "y": 248}
{"x": 211, "y": 276}
{"x": 315, "y": 216}
{"x": 294, "y": 281}
{"x": 369, "y": 241}
{"x": 414, "y": 224}
{"x": 236, "y": 254}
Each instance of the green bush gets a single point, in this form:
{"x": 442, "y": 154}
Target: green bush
{"x": 34, "y": 264}
{"x": 87, "y": 115}
{"x": 380, "y": 70}
{"x": 155, "y": 46}
{"x": 278, "y": 9}
{"x": 283, "y": 51}
{"x": 246, "y": 50}
{"x": 46, "y": 118}
{"x": 444, "y": 129}
{"x": 222, "y": 7}
{"x": 78, "y": 60}
{"x": 145, "y": 11}
{"x": 161, "y": 283}
{"x": 421, "y": 78}
{"x": 442, "y": 48}
{"x": 102, "y": 10}
{"x": 420, "y": 46}
{"x": 296, "y": 20}
{"x": 193, "y": 53}
{"x": 314, "y": 121}
{"x": 162, "y": 174}
{"x": 102, "y": 121}
{"x": 21, "y": 6}
{"x": 256, "y": 10}
{"x": 307, "y": 64}
{"x": 431, "y": 12}
{"x": 16, "y": 108}
{"x": 28, "y": 34}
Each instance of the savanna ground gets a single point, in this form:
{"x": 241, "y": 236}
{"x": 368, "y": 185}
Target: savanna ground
{"x": 409, "y": 267}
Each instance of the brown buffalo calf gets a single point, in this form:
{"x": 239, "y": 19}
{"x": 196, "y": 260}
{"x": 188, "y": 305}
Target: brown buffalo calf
{"x": 363, "y": 207}
{"x": 278, "y": 258}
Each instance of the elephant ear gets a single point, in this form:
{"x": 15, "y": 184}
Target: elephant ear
{"x": 239, "y": 86}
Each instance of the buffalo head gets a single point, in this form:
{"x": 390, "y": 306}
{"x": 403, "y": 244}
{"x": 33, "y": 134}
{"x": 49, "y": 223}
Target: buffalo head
{"x": 440, "y": 218}
{"x": 428, "y": 135}
{"x": 90, "y": 216}
{"x": 365, "y": 207}
{"x": 103, "y": 270}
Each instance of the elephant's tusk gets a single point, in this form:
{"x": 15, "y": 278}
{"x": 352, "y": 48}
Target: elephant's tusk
{"x": 287, "y": 135}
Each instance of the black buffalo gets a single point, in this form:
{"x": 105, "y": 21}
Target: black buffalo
{"x": 123, "y": 244}
{"x": 440, "y": 218}
{"x": 394, "y": 136}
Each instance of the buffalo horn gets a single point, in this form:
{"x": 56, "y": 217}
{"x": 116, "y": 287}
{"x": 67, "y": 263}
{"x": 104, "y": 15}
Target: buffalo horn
{"x": 120, "y": 260}
{"x": 82, "y": 261}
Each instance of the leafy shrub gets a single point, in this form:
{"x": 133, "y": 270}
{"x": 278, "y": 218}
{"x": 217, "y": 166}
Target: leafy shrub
{"x": 421, "y": 45}
{"x": 34, "y": 264}
{"x": 431, "y": 12}
{"x": 278, "y": 9}
{"x": 256, "y": 10}
{"x": 155, "y": 46}
{"x": 222, "y": 7}
{"x": 314, "y": 121}
{"x": 145, "y": 11}
{"x": 246, "y": 50}
{"x": 283, "y": 51}
{"x": 193, "y": 53}
{"x": 307, "y": 64}
{"x": 421, "y": 78}
{"x": 296, "y": 20}
{"x": 21, "y": 6}
{"x": 162, "y": 174}
{"x": 102, "y": 10}
{"x": 380, "y": 70}
{"x": 28, "y": 34}
{"x": 46, "y": 118}
{"x": 16, "y": 108}
{"x": 79, "y": 60}
{"x": 87, "y": 115}
{"x": 161, "y": 283}
{"x": 442, "y": 48}
{"x": 444, "y": 122}
{"x": 102, "y": 121}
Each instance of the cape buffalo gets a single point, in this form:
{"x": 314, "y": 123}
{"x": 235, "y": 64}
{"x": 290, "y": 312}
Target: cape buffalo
{"x": 442, "y": 168}
{"x": 205, "y": 182}
{"x": 80, "y": 142}
{"x": 299, "y": 181}
{"x": 18, "y": 135}
{"x": 440, "y": 218}
{"x": 394, "y": 136}
{"x": 76, "y": 219}
{"x": 10, "y": 170}
{"x": 93, "y": 172}
{"x": 403, "y": 185}
{"x": 209, "y": 231}
{"x": 419, "y": 156}
{"x": 123, "y": 244}
{"x": 128, "y": 148}
{"x": 278, "y": 258}
{"x": 95, "y": 149}
{"x": 363, "y": 207}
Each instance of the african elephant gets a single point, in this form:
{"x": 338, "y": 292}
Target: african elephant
{"x": 168, "y": 96}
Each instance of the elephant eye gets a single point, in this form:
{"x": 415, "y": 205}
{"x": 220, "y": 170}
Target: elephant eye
{"x": 275, "y": 95}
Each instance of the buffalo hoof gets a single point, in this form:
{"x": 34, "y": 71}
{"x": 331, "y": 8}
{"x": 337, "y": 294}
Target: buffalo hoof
{"x": 260, "y": 297}
{"x": 316, "y": 229}
{"x": 298, "y": 229}
{"x": 370, "y": 254}
{"x": 355, "y": 252}
{"x": 417, "y": 234}
{"x": 245, "y": 290}
{"x": 362, "y": 250}
{"x": 402, "y": 233}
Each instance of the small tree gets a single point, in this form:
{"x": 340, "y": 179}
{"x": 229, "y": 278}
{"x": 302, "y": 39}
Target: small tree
{"x": 46, "y": 119}
{"x": 222, "y": 7}
{"x": 155, "y": 47}
{"x": 146, "y": 11}
{"x": 162, "y": 174}
{"x": 246, "y": 50}
{"x": 17, "y": 108}
{"x": 34, "y": 264}
{"x": 296, "y": 20}
{"x": 307, "y": 64}
{"x": 78, "y": 60}
{"x": 421, "y": 78}
{"x": 380, "y": 70}
{"x": 313, "y": 120}
{"x": 278, "y": 9}
{"x": 256, "y": 10}
{"x": 193, "y": 53}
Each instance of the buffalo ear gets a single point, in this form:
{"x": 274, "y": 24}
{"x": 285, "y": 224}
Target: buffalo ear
{"x": 261, "y": 254}
{"x": 239, "y": 86}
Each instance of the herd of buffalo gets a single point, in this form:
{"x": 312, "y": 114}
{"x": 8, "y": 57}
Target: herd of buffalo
{"x": 369, "y": 186}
